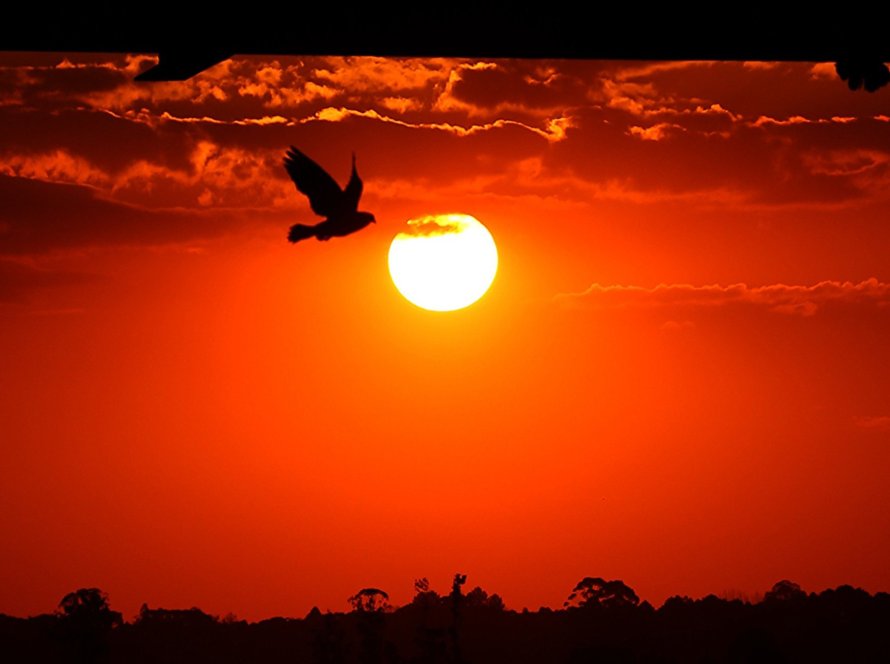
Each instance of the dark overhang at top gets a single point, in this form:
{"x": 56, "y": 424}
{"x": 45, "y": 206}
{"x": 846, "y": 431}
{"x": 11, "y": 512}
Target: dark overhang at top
{"x": 190, "y": 38}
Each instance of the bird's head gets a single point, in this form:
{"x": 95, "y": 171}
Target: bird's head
{"x": 367, "y": 218}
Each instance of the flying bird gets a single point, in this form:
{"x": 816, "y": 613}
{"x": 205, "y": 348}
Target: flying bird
{"x": 338, "y": 206}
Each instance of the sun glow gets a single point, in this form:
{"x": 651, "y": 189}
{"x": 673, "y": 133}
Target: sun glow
{"x": 443, "y": 262}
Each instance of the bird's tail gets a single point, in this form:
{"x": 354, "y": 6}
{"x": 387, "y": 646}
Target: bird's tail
{"x": 300, "y": 232}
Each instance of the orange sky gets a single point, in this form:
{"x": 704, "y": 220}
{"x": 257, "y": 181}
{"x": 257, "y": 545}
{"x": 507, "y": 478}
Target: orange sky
{"x": 680, "y": 377}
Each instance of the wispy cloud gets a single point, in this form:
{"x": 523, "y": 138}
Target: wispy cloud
{"x": 765, "y": 120}
{"x": 432, "y": 225}
{"x": 872, "y": 422}
{"x": 780, "y": 298}
{"x": 554, "y": 129}
{"x": 656, "y": 132}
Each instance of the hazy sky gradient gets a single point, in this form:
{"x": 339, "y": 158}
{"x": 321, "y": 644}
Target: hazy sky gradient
{"x": 680, "y": 377}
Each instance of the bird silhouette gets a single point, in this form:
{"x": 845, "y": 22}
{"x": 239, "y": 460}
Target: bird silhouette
{"x": 326, "y": 198}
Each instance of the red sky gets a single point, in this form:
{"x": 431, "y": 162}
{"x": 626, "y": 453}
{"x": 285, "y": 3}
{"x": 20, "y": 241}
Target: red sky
{"x": 680, "y": 377}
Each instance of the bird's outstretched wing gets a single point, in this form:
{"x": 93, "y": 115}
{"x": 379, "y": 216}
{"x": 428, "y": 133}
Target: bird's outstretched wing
{"x": 325, "y": 196}
{"x": 300, "y": 232}
{"x": 353, "y": 191}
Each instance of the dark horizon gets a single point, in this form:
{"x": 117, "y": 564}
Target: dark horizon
{"x": 588, "y": 591}
{"x": 602, "y": 621}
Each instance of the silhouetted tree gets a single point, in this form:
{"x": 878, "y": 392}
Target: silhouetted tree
{"x": 431, "y": 627}
{"x": 89, "y": 606}
{"x": 459, "y": 581}
{"x": 328, "y": 642}
{"x": 677, "y": 604}
{"x": 477, "y": 597}
{"x": 369, "y": 599}
{"x": 423, "y": 596}
{"x": 784, "y": 591}
{"x": 370, "y": 604}
{"x": 594, "y": 591}
{"x": 185, "y": 619}
{"x": 85, "y": 622}
{"x": 456, "y": 597}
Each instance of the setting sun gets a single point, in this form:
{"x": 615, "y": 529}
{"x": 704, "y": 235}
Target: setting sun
{"x": 443, "y": 262}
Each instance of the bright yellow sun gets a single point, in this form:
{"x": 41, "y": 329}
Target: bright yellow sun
{"x": 443, "y": 262}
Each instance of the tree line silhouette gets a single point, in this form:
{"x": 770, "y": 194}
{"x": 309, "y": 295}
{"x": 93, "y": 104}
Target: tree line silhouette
{"x": 601, "y": 621}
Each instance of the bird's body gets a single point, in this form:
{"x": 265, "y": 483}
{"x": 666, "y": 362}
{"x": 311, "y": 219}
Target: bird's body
{"x": 326, "y": 198}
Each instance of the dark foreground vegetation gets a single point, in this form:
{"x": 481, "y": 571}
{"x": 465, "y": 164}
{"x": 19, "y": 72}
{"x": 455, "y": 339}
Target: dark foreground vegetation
{"x": 602, "y": 621}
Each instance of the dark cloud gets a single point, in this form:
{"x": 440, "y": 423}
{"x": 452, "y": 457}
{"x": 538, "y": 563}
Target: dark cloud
{"x": 517, "y": 88}
{"x": 39, "y": 216}
{"x": 749, "y": 90}
{"x": 109, "y": 142}
{"x": 766, "y": 166}
{"x": 18, "y": 279}
{"x": 576, "y": 131}
{"x": 217, "y": 139}
{"x": 51, "y": 81}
